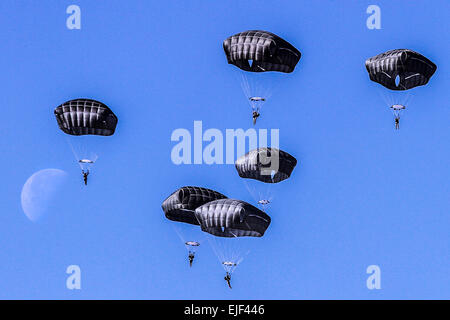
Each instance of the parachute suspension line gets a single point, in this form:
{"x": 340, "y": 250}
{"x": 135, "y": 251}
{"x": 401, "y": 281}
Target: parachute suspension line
{"x": 396, "y": 113}
{"x": 407, "y": 98}
{"x": 387, "y": 98}
{"x": 262, "y": 194}
{"x": 245, "y": 86}
{"x": 73, "y": 150}
{"x": 229, "y": 252}
{"x": 219, "y": 252}
{"x": 252, "y": 192}
{"x": 392, "y": 99}
{"x": 255, "y": 92}
{"x": 230, "y": 266}
{"x": 398, "y": 102}
{"x": 178, "y": 232}
{"x": 248, "y": 90}
{"x": 190, "y": 244}
{"x": 85, "y": 158}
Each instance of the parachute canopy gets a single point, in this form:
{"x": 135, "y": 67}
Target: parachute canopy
{"x": 268, "y": 165}
{"x": 181, "y": 204}
{"x": 411, "y": 68}
{"x": 85, "y": 116}
{"x": 259, "y": 51}
{"x": 232, "y": 218}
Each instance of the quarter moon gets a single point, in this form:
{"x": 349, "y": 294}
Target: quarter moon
{"x": 39, "y": 191}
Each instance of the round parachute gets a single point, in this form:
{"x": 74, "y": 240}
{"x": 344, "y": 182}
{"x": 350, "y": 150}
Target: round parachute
{"x": 400, "y": 69}
{"x": 268, "y": 165}
{"x": 256, "y": 52}
{"x": 85, "y": 116}
{"x": 181, "y": 204}
{"x": 260, "y": 51}
{"x": 232, "y": 218}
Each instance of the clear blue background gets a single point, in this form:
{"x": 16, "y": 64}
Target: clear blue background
{"x": 362, "y": 193}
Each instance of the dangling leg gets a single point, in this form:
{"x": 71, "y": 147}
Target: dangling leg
{"x": 255, "y": 115}
{"x": 84, "y": 177}
{"x": 191, "y": 258}
{"x": 227, "y": 279}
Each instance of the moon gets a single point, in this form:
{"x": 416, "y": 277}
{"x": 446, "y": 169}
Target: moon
{"x": 39, "y": 191}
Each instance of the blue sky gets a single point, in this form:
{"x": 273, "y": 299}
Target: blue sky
{"x": 361, "y": 194}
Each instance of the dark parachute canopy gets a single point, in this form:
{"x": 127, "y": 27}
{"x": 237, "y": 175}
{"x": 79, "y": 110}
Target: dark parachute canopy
{"x": 232, "y": 218}
{"x": 412, "y": 68}
{"x": 85, "y": 116}
{"x": 267, "y": 51}
{"x": 256, "y": 164}
{"x": 181, "y": 204}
